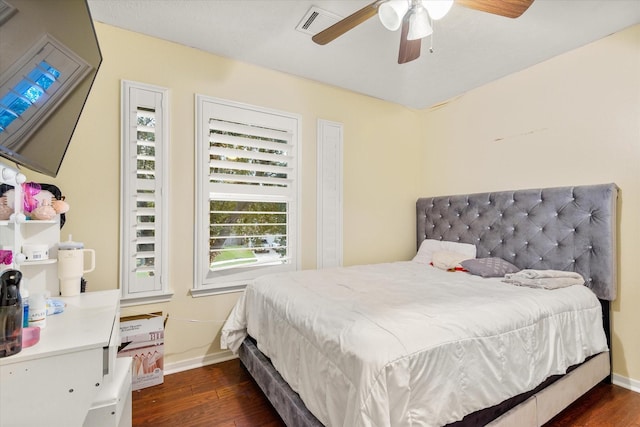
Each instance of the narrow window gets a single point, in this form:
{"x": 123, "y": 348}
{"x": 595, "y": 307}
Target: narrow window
{"x": 144, "y": 193}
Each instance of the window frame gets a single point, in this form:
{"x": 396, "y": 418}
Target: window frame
{"x": 234, "y": 280}
{"x": 162, "y": 293}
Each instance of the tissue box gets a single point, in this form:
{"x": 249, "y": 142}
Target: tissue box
{"x": 142, "y": 339}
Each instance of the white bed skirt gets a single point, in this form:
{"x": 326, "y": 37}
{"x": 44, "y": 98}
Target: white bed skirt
{"x": 549, "y": 402}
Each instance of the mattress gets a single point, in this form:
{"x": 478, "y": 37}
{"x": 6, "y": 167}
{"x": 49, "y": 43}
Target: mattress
{"x": 407, "y": 344}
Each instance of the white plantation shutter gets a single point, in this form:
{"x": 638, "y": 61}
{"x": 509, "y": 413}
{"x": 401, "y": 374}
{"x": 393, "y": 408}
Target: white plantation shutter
{"x": 144, "y": 178}
{"x": 247, "y": 193}
{"x": 261, "y": 160}
{"x": 329, "y": 220}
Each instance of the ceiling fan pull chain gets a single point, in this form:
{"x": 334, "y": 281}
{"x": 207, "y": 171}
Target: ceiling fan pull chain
{"x": 433, "y": 25}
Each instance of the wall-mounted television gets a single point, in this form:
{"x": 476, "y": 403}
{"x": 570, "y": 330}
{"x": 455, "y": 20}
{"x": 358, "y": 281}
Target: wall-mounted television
{"x": 49, "y": 57}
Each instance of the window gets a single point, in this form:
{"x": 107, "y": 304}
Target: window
{"x": 32, "y": 88}
{"x": 145, "y": 142}
{"x": 247, "y": 194}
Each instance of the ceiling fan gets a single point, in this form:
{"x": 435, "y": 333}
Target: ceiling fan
{"x": 415, "y": 17}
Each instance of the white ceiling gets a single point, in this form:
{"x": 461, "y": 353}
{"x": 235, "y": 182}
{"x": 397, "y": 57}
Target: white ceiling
{"x": 471, "y": 48}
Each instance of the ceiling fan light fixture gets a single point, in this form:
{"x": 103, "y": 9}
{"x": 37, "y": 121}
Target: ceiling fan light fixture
{"x": 437, "y": 8}
{"x": 391, "y": 13}
{"x": 419, "y": 24}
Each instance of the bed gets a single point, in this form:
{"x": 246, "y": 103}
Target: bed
{"x": 409, "y": 344}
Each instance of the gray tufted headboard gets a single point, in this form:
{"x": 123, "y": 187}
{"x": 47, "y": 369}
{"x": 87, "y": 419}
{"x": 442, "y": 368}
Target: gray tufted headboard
{"x": 564, "y": 228}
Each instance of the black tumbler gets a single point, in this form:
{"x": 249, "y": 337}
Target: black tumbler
{"x": 10, "y": 313}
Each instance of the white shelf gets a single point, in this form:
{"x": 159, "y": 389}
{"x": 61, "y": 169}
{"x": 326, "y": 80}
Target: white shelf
{"x": 30, "y": 221}
{"x": 40, "y": 262}
{"x": 40, "y": 221}
{"x": 38, "y": 275}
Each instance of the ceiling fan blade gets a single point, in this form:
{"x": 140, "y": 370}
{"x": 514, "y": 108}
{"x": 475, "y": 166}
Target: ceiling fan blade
{"x": 339, "y": 28}
{"x": 409, "y": 49}
{"x": 508, "y": 8}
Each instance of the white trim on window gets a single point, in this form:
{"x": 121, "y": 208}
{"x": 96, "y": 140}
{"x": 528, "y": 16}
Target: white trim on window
{"x": 144, "y": 194}
{"x": 247, "y": 194}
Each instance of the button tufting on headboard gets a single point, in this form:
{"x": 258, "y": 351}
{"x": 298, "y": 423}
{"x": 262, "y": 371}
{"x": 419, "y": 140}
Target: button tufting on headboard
{"x": 563, "y": 228}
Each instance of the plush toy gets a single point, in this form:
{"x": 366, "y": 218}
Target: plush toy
{"x": 29, "y": 190}
{"x": 5, "y": 210}
{"x": 38, "y": 203}
{"x": 44, "y": 212}
{"x": 60, "y": 205}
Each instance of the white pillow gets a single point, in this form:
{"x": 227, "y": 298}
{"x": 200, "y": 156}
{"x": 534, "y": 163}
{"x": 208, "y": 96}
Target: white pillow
{"x": 446, "y": 260}
{"x": 429, "y": 246}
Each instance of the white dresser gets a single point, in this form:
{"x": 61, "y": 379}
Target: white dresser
{"x": 57, "y": 381}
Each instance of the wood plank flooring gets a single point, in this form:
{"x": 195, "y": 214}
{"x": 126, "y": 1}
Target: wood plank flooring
{"x": 224, "y": 395}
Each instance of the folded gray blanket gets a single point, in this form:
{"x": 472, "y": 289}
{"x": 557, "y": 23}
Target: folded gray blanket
{"x": 545, "y": 279}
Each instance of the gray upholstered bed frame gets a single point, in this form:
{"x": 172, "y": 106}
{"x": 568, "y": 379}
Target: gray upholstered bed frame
{"x": 564, "y": 228}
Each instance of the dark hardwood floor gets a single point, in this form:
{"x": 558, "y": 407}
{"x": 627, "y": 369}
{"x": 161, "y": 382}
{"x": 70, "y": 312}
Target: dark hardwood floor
{"x": 224, "y": 395}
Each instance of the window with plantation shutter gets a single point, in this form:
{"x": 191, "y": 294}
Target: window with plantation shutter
{"x": 247, "y": 195}
{"x": 144, "y": 193}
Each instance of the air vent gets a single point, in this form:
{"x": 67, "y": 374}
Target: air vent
{"x": 316, "y": 20}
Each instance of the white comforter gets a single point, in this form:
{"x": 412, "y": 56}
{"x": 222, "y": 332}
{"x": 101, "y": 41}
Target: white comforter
{"x": 405, "y": 344}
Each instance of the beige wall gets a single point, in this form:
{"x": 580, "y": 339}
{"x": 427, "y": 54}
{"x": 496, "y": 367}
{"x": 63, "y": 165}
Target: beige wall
{"x": 574, "y": 119}
{"x": 378, "y": 136}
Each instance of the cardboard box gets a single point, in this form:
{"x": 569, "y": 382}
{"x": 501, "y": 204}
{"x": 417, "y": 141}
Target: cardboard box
{"x": 142, "y": 339}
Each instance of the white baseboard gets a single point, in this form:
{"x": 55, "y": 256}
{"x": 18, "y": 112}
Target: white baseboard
{"x": 198, "y": 362}
{"x": 629, "y": 383}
